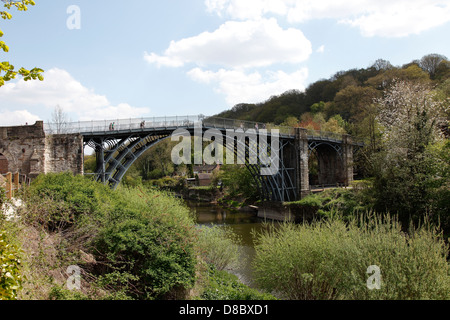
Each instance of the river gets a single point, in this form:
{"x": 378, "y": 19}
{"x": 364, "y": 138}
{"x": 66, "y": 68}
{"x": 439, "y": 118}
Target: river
{"x": 242, "y": 223}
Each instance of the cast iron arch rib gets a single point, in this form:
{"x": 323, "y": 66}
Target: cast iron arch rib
{"x": 116, "y": 155}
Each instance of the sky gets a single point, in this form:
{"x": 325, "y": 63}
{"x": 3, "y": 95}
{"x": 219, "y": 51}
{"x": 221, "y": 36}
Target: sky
{"x": 130, "y": 59}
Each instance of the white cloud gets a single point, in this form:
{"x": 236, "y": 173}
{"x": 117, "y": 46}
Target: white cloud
{"x": 321, "y": 49}
{"x": 402, "y": 20}
{"x": 384, "y": 18}
{"x": 248, "y": 9}
{"x": 16, "y": 118}
{"x": 238, "y": 44}
{"x": 241, "y": 87}
{"x": 60, "y": 88}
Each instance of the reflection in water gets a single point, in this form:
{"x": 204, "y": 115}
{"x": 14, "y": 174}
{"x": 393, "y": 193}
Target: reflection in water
{"x": 242, "y": 223}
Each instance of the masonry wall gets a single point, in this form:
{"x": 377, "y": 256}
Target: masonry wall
{"x": 24, "y": 148}
{"x": 27, "y": 150}
{"x": 64, "y": 152}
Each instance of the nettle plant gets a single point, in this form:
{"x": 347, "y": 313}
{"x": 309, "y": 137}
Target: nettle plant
{"x": 7, "y": 70}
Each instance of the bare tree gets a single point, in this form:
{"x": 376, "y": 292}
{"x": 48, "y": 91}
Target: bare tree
{"x": 59, "y": 120}
{"x": 431, "y": 62}
{"x": 382, "y": 65}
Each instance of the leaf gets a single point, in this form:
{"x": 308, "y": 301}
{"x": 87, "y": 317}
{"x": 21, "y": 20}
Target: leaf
{"x": 4, "y": 46}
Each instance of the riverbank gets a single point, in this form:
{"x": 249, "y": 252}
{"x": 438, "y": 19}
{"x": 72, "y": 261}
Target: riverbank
{"x": 314, "y": 206}
{"x": 130, "y": 243}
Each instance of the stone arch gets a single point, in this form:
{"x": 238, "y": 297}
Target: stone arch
{"x": 327, "y": 159}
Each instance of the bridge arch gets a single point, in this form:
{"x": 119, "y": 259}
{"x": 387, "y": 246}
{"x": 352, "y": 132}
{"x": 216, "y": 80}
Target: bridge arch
{"x": 115, "y": 155}
{"x": 326, "y": 164}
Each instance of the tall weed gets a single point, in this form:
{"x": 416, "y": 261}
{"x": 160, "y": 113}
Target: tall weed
{"x": 330, "y": 259}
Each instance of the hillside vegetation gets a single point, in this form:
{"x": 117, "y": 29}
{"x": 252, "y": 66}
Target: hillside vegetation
{"x": 349, "y": 95}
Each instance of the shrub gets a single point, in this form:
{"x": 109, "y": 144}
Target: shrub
{"x": 64, "y": 198}
{"x": 148, "y": 246}
{"x": 346, "y": 202}
{"x": 2, "y": 196}
{"x": 218, "y": 246}
{"x": 156, "y": 253}
{"x": 10, "y": 270}
{"x": 225, "y": 286}
{"x": 329, "y": 260}
{"x": 144, "y": 238}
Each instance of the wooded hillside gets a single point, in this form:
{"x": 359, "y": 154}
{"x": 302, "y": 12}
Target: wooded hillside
{"x": 347, "y": 97}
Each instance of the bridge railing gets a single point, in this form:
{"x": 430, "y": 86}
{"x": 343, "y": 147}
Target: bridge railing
{"x": 323, "y": 135}
{"x": 121, "y": 124}
{"x": 217, "y": 122}
{"x": 104, "y": 126}
{"x": 158, "y": 122}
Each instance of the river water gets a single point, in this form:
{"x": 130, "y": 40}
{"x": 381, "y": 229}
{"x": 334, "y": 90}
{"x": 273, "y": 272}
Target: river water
{"x": 242, "y": 223}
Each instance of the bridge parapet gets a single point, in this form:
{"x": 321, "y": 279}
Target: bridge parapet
{"x": 116, "y": 125}
{"x": 154, "y": 123}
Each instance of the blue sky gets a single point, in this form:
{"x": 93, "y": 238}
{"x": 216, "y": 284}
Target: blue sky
{"x": 180, "y": 57}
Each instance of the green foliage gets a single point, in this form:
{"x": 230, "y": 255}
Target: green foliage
{"x": 169, "y": 183}
{"x": 156, "y": 252}
{"x": 10, "y": 269}
{"x": 7, "y": 68}
{"x": 148, "y": 243}
{"x": 61, "y": 293}
{"x": 238, "y": 182}
{"x": 345, "y": 202}
{"x": 218, "y": 246}
{"x": 144, "y": 237}
{"x": 329, "y": 260}
{"x": 349, "y": 94}
{"x": 222, "y": 285}
{"x": 90, "y": 163}
{"x": 411, "y": 170}
{"x": 65, "y": 198}
{"x": 2, "y": 196}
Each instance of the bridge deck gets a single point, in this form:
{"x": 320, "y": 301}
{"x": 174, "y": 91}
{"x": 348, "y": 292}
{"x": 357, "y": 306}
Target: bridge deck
{"x": 122, "y": 127}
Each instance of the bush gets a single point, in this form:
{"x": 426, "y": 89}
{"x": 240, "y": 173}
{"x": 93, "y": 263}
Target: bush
{"x": 218, "y": 246}
{"x": 63, "y": 198}
{"x": 10, "y": 270}
{"x": 148, "y": 246}
{"x": 2, "y": 196}
{"x": 238, "y": 182}
{"x": 157, "y": 254}
{"x": 346, "y": 202}
{"x": 225, "y": 286}
{"x": 144, "y": 238}
{"x": 330, "y": 259}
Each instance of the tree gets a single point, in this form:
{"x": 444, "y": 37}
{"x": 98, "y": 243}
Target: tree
{"x": 430, "y": 63}
{"x": 350, "y": 102}
{"x": 410, "y": 72}
{"x": 409, "y": 114}
{"x": 59, "y": 120}
{"x": 382, "y": 65}
{"x": 5, "y": 67}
